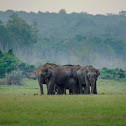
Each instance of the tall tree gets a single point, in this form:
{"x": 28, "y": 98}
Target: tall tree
{"x": 22, "y": 36}
{"x": 3, "y": 37}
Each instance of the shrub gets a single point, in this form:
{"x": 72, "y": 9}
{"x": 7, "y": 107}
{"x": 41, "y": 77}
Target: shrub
{"x": 8, "y": 63}
{"x": 14, "y": 78}
{"x": 25, "y": 67}
{"x": 115, "y": 74}
{"x": 3, "y": 82}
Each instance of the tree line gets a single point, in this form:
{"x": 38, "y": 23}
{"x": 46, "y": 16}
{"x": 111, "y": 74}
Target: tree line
{"x": 76, "y": 38}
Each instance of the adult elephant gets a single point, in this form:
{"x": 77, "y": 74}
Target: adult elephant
{"x": 43, "y": 75}
{"x": 58, "y": 75}
{"x": 87, "y": 76}
{"x": 52, "y": 74}
{"x": 73, "y": 84}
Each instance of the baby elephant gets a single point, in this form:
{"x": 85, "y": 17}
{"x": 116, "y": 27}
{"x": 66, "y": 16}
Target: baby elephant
{"x": 71, "y": 85}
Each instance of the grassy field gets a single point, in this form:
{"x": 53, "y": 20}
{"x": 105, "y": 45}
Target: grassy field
{"x": 20, "y": 106}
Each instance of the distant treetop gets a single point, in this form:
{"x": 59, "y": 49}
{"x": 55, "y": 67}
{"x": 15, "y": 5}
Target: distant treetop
{"x": 62, "y": 11}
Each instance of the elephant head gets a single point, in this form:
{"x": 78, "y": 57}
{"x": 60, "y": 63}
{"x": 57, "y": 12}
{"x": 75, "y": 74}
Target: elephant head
{"x": 92, "y": 77}
{"x": 45, "y": 74}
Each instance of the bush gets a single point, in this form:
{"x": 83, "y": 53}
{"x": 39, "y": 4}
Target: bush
{"x": 14, "y": 78}
{"x": 3, "y": 82}
{"x": 25, "y": 67}
{"x": 9, "y": 63}
{"x": 115, "y": 74}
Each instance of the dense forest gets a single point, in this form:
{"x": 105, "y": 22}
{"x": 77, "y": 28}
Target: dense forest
{"x": 76, "y": 38}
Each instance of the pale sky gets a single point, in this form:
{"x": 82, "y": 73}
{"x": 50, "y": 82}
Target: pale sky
{"x": 90, "y": 6}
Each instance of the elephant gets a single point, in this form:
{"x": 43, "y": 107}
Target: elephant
{"x": 87, "y": 76}
{"x": 71, "y": 82}
{"x": 58, "y": 75}
{"x": 42, "y": 76}
{"x": 73, "y": 75}
{"x": 71, "y": 85}
{"x": 52, "y": 74}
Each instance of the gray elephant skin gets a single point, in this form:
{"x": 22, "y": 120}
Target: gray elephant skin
{"x": 87, "y": 76}
{"x": 51, "y": 74}
{"x": 72, "y": 77}
{"x": 73, "y": 84}
{"x": 42, "y": 73}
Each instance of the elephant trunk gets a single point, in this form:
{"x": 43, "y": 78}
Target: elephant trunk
{"x": 41, "y": 85}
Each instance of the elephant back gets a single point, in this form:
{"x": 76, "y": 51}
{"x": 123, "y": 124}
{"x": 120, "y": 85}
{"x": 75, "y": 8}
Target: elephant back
{"x": 73, "y": 70}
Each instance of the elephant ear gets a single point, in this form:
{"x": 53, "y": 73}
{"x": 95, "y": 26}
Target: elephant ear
{"x": 97, "y": 72}
{"x": 48, "y": 72}
{"x": 45, "y": 71}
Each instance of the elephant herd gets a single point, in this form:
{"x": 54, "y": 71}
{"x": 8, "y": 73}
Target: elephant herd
{"x": 77, "y": 79}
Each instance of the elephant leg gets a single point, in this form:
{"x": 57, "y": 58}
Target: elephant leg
{"x": 58, "y": 89}
{"x": 82, "y": 91}
{"x": 55, "y": 88}
{"x": 70, "y": 91}
{"x": 47, "y": 82}
{"x": 47, "y": 87}
{"x": 87, "y": 85}
{"x": 63, "y": 90}
{"x": 92, "y": 89}
{"x": 85, "y": 89}
{"x": 80, "y": 87}
{"x": 88, "y": 89}
{"x": 74, "y": 89}
{"x": 95, "y": 90}
{"x": 41, "y": 86}
{"x": 78, "y": 90}
{"x": 50, "y": 87}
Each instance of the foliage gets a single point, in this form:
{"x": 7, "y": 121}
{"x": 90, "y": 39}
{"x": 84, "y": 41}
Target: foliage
{"x": 16, "y": 34}
{"x": 8, "y": 63}
{"x": 115, "y": 74}
{"x": 20, "y": 32}
{"x": 1, "y": 54}
{"x": 75, "y": 38}
{"x": 25, "y": 67}
{"x": 10, "y": 52}
{"x": 14, "y": 78}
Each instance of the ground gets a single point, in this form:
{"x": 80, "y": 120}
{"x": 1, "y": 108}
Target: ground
{"x": 23, "y": 105}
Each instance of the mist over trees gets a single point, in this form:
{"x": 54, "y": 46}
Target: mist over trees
{"x": 76, "y": 38}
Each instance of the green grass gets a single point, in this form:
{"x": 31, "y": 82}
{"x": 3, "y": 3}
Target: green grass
{"x": 19, "y": 106}
{"x": 111, "y": 87}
